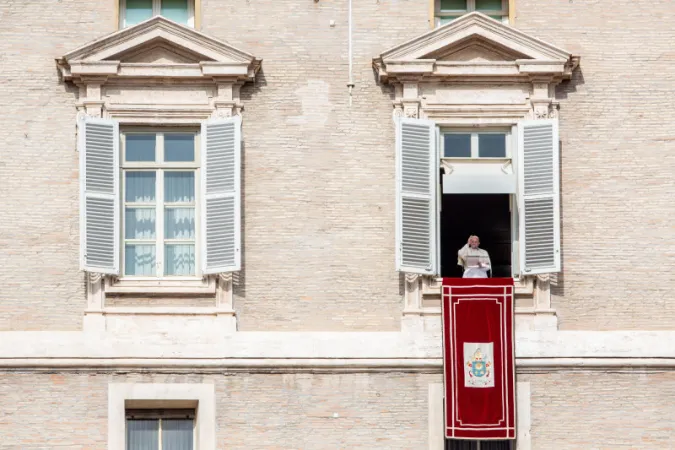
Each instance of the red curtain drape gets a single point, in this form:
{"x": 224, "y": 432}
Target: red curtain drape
{"x": 478, "y": 358}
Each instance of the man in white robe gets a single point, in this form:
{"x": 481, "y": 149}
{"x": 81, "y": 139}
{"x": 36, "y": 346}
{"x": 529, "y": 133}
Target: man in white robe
{"x": 474, "y": 260}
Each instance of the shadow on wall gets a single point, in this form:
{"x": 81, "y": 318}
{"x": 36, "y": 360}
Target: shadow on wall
{"x": 563, "y": 90}
{"x": 248, "y": 90}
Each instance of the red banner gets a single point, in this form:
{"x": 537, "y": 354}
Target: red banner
{"x": 478, "y": 358}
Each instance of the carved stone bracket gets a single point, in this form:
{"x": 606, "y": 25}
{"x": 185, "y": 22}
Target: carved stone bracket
{"x": 95, "y": 277}
{"x": 411, "y": 111}
{"x": 225, "y": 277}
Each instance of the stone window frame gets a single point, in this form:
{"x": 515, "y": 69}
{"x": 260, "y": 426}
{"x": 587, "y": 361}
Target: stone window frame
{"x": 200, "y": 397}
{"x": 436, "y": 425}
{"x": 200, "y": 63}
{"x": 416, "y": 69}
{"x": 422, "y": 293}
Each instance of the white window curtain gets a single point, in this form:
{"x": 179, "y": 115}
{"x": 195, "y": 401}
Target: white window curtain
{"x": 177, "y": 434}
{"x": 143, "y": 434}
{"x": 140, "y": 224}
{"x": 179, "y": 223}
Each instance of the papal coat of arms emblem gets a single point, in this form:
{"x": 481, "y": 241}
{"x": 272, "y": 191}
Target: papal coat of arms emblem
{"x": 478, "y": 365}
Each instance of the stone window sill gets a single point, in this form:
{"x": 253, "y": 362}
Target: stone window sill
{"x": 191, "y": 285}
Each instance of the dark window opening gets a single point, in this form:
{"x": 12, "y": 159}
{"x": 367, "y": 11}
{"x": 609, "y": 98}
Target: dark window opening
{"x": 486, "y": 215}
{"x": 461, "y": 444}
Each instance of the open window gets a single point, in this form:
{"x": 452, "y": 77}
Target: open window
{"x": 478, "y": 197}
{"x": 508, "y": 198}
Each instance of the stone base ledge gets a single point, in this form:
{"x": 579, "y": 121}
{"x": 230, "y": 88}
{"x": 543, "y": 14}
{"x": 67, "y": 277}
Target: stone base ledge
{"x": 48, "y": 347}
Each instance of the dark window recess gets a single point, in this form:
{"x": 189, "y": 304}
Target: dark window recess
{"x": 461, "y": 444}
{"x": 485, "y": 215}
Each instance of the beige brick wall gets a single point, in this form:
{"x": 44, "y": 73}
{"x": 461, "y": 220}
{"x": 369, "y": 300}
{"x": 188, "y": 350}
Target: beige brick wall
{"x": 253, "y": 412}
{"x": 40, "y": 283}
{"x": 602, "y": 411}
{"x": 618, "y": 160}
{"x": 569, "y": 410}
{"x": 319, "y": 174}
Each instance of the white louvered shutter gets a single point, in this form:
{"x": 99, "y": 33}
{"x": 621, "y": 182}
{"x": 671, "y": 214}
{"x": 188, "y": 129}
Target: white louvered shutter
{"x": 539, "y": 196}
{"x": 98, "y": 144}
{"x": 417, "y": 196}
{"x": 221, "y": 199}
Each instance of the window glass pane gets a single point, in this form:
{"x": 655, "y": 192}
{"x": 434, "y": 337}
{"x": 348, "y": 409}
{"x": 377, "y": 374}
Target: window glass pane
{"x": 488, "y": 5}
{"x": 139, "y": 260}
{"x": 491, "y": 145}
{"x": 179, "y": 147}
{"x": 445, "y": 19}
{"x": 457, "y": 145}
{"x": 140, "y": 147}
{"x": 176, "y": 10}
{"x": 137, "y": 11}
{"x": 142, "y": 434}
{"x": 453, "y": 5}
{"x": 179, "y": 187}
{"x": 179, "y": 259}
{"x": 139, "y": 223}
{"x": 179, "y": 223}
{"x": 499, "y": 18}
{"x": 140, "y": 186}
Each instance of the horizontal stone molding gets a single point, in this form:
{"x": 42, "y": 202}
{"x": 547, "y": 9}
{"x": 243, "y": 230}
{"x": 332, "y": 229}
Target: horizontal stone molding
{"x": 338, "y": 365}
{"x": 330, "y": 351}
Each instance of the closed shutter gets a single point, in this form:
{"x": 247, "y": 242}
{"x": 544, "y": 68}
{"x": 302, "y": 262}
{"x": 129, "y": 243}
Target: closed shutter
{"x": 417, "y": 196}
{"x": 98, "y": 145}
{"x": 539, "y": 196}
{"x": 221, "y": 201}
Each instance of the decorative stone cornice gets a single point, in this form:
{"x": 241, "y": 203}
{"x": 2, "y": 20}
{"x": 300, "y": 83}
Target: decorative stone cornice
{"x": 501, "y": 52}
{"x": 191, "y": 55}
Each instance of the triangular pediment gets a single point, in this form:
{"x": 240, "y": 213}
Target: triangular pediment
{"x": 476, "y": 49}
{"x": 157, "y": 42}
{"x": 159, "y": 51}
{"x": 472, "y": 39}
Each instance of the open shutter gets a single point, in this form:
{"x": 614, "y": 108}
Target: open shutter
{"x": 221, "y": 199}
{"x": 417, "y": 196}
{"x": 539, "y": 196}
{"x": 98, "y": 144}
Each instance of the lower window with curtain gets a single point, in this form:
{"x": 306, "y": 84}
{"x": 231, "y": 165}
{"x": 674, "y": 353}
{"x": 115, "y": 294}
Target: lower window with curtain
{"x": 462, "y": 444}
{"x": 160, "y": 429}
